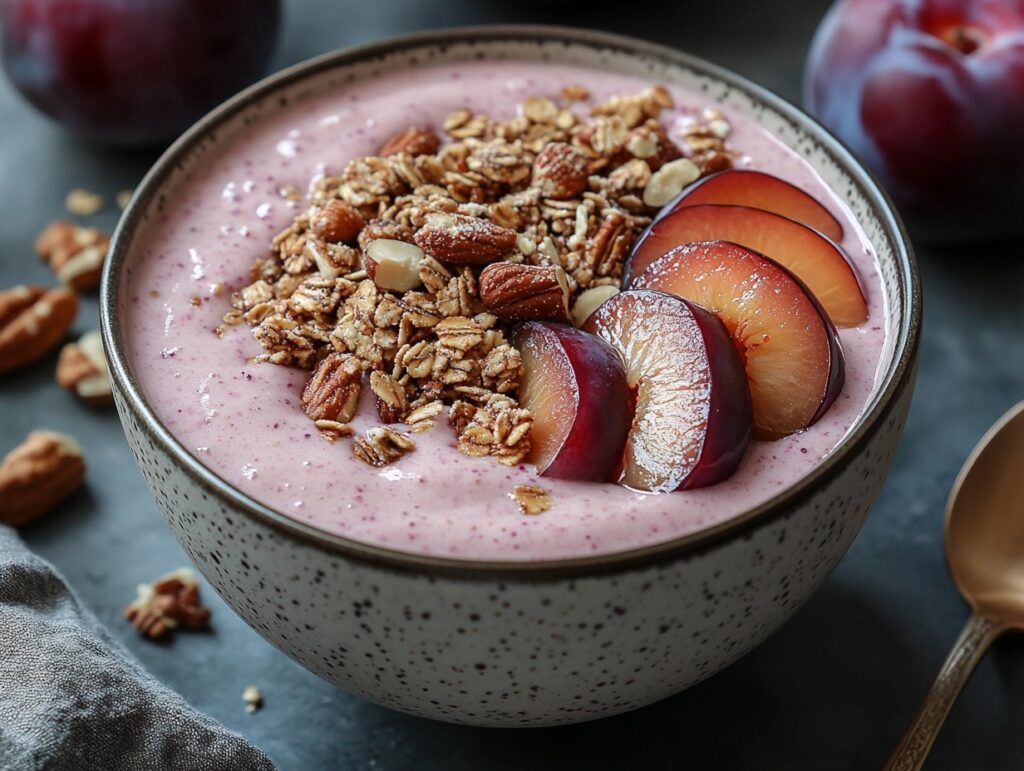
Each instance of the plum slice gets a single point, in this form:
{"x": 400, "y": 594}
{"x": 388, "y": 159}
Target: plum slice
{"x": 692, "y": 421}
{"x": 819, "y": 263}
{"x": 790, "y": 349}
{"x": 575, "y": 386}
{"x": 746, "y": 187}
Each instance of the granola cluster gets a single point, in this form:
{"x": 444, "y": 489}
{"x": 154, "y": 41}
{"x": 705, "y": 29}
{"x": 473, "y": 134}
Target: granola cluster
{"x": 390, "y": 278}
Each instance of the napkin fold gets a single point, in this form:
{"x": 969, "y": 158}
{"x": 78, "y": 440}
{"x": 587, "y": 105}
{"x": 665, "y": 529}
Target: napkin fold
{"x": 72, "y": 698}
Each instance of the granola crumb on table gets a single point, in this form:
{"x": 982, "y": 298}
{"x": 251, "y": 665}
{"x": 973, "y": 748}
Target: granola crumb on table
{"x": 384, "y": 280}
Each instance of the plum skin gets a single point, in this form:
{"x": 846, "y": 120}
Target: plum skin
{"x": 139, "y": 72}
{"x": 592, "y": 450}
{"x": 939, "y": 125}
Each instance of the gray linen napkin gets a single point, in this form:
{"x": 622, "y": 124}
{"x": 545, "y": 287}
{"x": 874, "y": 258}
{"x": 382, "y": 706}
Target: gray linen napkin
{"x": 71, "y": 698}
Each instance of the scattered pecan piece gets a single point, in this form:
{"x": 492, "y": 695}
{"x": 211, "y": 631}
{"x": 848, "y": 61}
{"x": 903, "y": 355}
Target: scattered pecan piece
{"x": 82, "y": 369}
{"x": 611, "y": 245}
{"x": 413, "y": 141}
{"x": 168, "y": 602}
{"x": 560, "y": 170}
{"x": 37, "y": 475}
{"x": 332, "y": 393}
{"x": 382, "y": 445}
{"x": 337, "y": 221}
{"x": 651, "y": 143}
{"x": 74, "y": 254}
{"x": 531, "y": 499}
{"x": 32, "y": 321}
{"x": 464, "y": 240}
{"x": 525, "y": 292}
{"x": 253, "y": 698}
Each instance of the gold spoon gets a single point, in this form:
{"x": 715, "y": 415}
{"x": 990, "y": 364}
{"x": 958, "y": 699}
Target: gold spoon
{"x": 985, "y": 551}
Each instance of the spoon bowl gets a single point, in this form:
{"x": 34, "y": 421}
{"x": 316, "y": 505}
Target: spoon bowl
{"x": 985, "y": 523}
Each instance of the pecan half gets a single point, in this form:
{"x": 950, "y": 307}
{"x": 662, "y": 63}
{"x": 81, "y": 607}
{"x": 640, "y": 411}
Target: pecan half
{"x": 74, "y": 254}
{"x": 560, "y": 171}
{"x": 525, "y": 292}
{"x": 332, "y": 393}
{"x": 464, "y": 240}
{"x": 37, "y": 475}
{"x": 337, "y": 221}
{"x": 414, "y": 141}
{"x": 32, "y": 322}
{"x": 82, "y": 369}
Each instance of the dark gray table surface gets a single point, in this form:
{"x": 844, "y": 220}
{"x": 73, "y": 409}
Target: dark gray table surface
{"x": 834, "y": 689}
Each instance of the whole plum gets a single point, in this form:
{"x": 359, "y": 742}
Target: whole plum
{"x": 930, "y": 93}
{"x": 134, "y": 71}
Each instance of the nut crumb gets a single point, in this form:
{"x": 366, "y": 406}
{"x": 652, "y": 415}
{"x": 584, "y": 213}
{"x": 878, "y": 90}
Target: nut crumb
{"x": 253, "y": 698}
{"x": 168, "y": 602}
{"x": 532, "y": 500}
{"x": 83, "y": 202}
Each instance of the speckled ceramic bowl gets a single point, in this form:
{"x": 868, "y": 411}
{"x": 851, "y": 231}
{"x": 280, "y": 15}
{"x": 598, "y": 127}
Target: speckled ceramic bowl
{"x": 546, "y": 642}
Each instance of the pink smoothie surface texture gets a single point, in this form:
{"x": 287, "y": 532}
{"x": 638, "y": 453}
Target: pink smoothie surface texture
{"x": 245, "y": 422}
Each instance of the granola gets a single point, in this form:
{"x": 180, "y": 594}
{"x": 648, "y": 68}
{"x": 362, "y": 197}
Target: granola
{"x": 377, "y": 281}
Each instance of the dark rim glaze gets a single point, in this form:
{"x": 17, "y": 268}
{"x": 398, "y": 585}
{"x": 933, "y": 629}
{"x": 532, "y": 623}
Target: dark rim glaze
{"x": 898, "y": 379}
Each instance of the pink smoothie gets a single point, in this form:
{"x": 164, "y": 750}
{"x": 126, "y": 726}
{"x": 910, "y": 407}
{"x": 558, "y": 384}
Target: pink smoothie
{"x": 245, "y": 423}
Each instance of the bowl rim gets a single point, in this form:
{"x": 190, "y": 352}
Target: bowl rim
{"x": 899, "y": 376}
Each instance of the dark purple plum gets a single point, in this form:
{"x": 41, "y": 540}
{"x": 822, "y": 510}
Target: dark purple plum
{"x": 134, "y": 72}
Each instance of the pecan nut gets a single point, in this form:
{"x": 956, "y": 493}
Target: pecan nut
{"x": 332, "y": 393}
{"x": 168, "y": 602}
{"x": 413, "y": 141}
{"x": 560, "y": 171}
{"x": 82, "y": 369}
{"x": 37, "y": 475}
{"x": 464, "y": 240}
{"x": 525, "y": 292}
{"x": 337, "y": 221}
{"x": 32, "y": 321}
{"x": 74, "y": 254}
{"x": 651, "y": 143}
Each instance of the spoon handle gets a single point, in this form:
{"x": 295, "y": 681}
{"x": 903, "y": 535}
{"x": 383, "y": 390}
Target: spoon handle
{"x": 977, "y": 635}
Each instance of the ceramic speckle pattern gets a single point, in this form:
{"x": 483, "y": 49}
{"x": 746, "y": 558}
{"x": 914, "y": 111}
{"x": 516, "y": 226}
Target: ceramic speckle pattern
{"x": 510, "y": 650}
{"x": 515, "y": 645}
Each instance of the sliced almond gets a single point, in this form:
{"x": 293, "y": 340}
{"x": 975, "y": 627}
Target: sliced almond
{"x": 394, "y": 265}
{"x": 668, "y": 181}
{"x": 590, "y": 300}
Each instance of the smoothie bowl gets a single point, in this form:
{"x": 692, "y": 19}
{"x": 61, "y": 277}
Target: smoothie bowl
{"x": 511, "y": 376}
